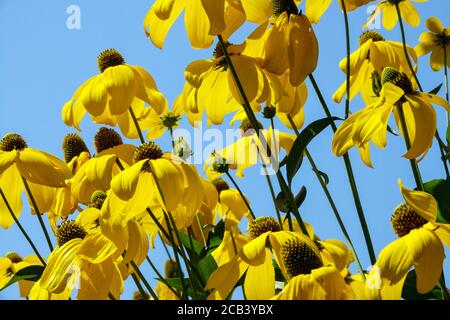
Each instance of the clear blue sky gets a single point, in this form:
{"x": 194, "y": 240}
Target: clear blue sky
{"x": 42, "y": 62}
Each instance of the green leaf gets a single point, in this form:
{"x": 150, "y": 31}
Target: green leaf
{"x": 282, "y": 202}
{"x": 30, "y": 273}
{"x": 192, "y": 246}
{"x": 392, "y": 131}
{"x": 214, "y": 238}
{"x": 295, "y": 157}
{"x": 207, "y": 266}
{"x": 409, "y": 291}
{"x": 436, "y": 90}
{"x": 440, "y": 189}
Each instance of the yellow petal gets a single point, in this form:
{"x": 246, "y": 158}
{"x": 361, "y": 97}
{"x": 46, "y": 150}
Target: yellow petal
{"x": 99, "y": 171}
{"x": 96, "y": 248}
{"x": 254, "y": 288}
{"x": 120, "y": 83}
{"x": 395, "y": 260}
{"x": 428, "y": 265}
{"x": 124, "y": 184}
{"x": 216, "y": 15}
{"x": 390, "y": 16}
{"x": 247, "y": 72}
{"x": 434, "y": 25}
{"x": 43, "y": 168}
{"x": 12, "y": 188}
{"x": 421, "y": 202}
{"x": 163, "y": 8}
{"x": 409, "y": 13}
{"x": 157, "y": 29}
{"x": 257, "y": 11}
{"x": 315, "y": 9}
{"x": 224, "y": 278}
{"x": 197, "y": 25}
{"x": 254, "y": 252}
{"x": 147, "y": 91}
{"x": 7, "y": 159}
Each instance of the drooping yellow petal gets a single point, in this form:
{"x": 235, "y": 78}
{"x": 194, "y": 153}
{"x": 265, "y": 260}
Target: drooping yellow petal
{"x": 395, "y": 260}
{"x": 157, "y": 29}
{"x": 216, "y": 15}
{"x": 257, "y": 11}
{"x": 247, "y": 72}
{"x": 43, "y": 168}
{"x": 124, "y": 184}
{"x": 12, "y": 188}
{"x": 7, "y": 159}
{"x": 315, "y": 9}
{"x": 120, "y": 83}
{"x": 254, "y": 252}
{"x": 163, "y": 8}
{"x": 198, "y": 25}
{"x": 409, "y": 13}
{"x": 224, "y": 278}
{"x": 147, "y": 91}
{"x": 254, "y": 287}
{"x": 421, "y": 202}
{"x": 434, "y": 25}
{"x": 96, "y": 248}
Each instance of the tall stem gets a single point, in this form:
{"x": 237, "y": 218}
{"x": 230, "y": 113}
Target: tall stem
{"x": 351, "y": 178}
{"x": 161, "y": 278}
{"x": 241, "y": 193}
{"x": 331, "y": 201}
{"x": 144, "y": 281}
{"x": 252, "y": 118}
{"x": 136, "y": 124}
{"x": 347, "y": 40}
{"x": 38, "y": 213}
{"x": 405, "y": 50}
{"x": 25, "y": 234}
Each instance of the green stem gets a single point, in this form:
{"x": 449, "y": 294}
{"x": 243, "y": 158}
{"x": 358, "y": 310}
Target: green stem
{"x": 139, "y": 286}
{"x": 331, "y": 202}
{"x": 187, "y": 263}
{"x": 136, "y": 124}
{"x": 161, "y": 278}
{"x": 252, "y": 118}
{"x": 405, "y": 50}
{"x": 8, "y": 206}
{"x": 445, "y": 294}
{"x": 347, "y": 40}
{"x": 351, "y": 178}
{"x": 241, "y": 193}
{"x": 197, "y": 219}
{"x": 144, "y": 281}
{"x": 233, "y": 242}
{"x": 171, "y": 138}
{"x": 38, "y": 213}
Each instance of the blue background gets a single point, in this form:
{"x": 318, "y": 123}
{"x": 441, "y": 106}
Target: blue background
{"x": 42, "y": 63}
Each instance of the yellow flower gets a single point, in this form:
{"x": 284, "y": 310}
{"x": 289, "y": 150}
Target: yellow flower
{"x": 158, "y": 123}
{"x": 158, "y": 179}
{"x": 375, "y": 288}
{"x": 370, "y": 123}
{"x": 291, "y": 44}
{"x": 436, "y": 41}
{"x": 83, "y": 257}
{"x": 97, "y": 172}
{"x": 11, "y": 264}
{"x": 40, "y": 169}
{"x": 254, "y": 259}
{"x": 203, "y": 19}
{"x": 108, "y": 96}
{"x": 374, "y": 54}
{"x": 316, "y": 8}
{"x": 419, "y": 243}
{"x": 387, "y": 7}
{"x": 212, "y": 88}
{"x": 246, "y": 151}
